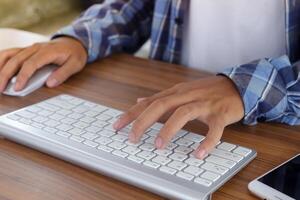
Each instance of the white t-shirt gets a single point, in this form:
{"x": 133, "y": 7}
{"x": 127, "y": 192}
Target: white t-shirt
{"x": 223, "y": 33}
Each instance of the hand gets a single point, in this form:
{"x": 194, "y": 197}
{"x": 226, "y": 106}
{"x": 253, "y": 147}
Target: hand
{"x": 66, "y": 52}
{"x": 214, "y": 101}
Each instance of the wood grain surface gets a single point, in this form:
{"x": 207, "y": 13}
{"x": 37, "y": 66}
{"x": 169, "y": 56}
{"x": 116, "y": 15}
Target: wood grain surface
{"x": 117, "y": 82}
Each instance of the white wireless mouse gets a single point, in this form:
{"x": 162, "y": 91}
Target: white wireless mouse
{"x": 35, "y": 82}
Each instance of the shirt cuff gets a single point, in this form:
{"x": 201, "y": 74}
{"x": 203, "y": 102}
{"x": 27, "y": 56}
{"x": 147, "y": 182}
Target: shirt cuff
{"x": 74, "y": 32}
{"x": 262, "y": 91}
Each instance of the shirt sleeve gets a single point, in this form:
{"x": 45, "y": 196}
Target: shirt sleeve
{"x": 270, "y": 90}
{"x": 110, "y": 27}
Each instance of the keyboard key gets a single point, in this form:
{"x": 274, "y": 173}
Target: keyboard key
{"x": 178, "y": 156}
{"x": 131, "y": 150}
{"x": 124, "y": 131}
{"x": 195, "y": 171}
{"x": 152, "y": 133}
{"x": 184, "y": 142}
{"x": 120, "y": 153}
{"x": 134, "y": 144}
{"x": 146, "y": 155}
{"x": 194, "y": 137}
{"x": 26, "y": 114}
{"x": 76, "y": 131}
{"x": 163, "y": 152}
{"x": 50, "y": 130}
{"x": 93, "y": 129}
{"x": 40, "y": 119}
{"x": 68, "y": 121}
{"x": 100, "y": 123}
{"x": 64, "y": 127}
{"x": 135, "y": 159}
{"x": 194, "y": 161}
{"x": 214, "y": 168}
{"x": 77, "y": 138}
{"x": 183, "y": 150}
{"x": 120, "y": 138}
{"x": 112, "y": 112}
{"x": 25, "y": 121}
{"x": 185, "y": 176}
{"x": 226, "y": 146}
{"x": 63, "y": 134}
{"x": 75, "y": 116}
{"x": 105, "y": 148}
{"x": 162, "y": 160}
{"x": 104, "y": 117}
{"x": 90, "y": 143}
{"x": 150, "y": 140}
{"x": 177, "y": 165}
{"x": 147, "y": 147}
{"x": 157, "y": 126}
{"x": 220, "y": 161}
{"x": 89, "y": 136}
{"x": 57, "y": 117}
{"x": 91, "y": 113}
{"x": 37, "y": 125}
{"x": 202, "y": 181}
{"x": 151, "y": 164}
{"x": 81, "y": 125}
{"x": 210, "y": 176}
{"x": 64, "y": 112}
{"x": 33, "y": 109}
{"x": 117, "y": 145}
{"x": 13, "y": 117}
{"x": 171, "y": 146}
{"x": 87, "y": 119}
{"x": 45, "y": 113}
{"x": 103, "y": 140}
{"x": 106, "y": 133}
{"x": 168, "y": 170}
{"x": 48, "y": 106}
{"x": 51, "y": 123}
{"x": 227, "y": 155}
{"x": 242, "y": 151}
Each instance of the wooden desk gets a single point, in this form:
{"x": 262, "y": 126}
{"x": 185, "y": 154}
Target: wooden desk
{"x": 118, "y": 81}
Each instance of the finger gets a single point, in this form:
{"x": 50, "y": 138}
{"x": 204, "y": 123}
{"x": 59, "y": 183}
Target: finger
{"x": 155, "y": 111}
{"x": 177, "y": 120}
{"x": 5, "y": 55}
{"x": 211, "y": 140}
{"x": 63, "y": 73}
{"x": 35, "y": 62}
{"x": 137, "y": 109}
{"x": 13, "y": 65}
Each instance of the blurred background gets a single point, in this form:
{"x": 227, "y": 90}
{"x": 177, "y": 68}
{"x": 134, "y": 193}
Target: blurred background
{"x": 46, "y": 17}
{"x": 41, "y": 16}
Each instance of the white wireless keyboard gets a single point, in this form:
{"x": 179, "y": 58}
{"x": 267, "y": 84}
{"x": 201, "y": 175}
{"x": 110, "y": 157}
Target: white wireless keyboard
{"x": 81, "y": 132}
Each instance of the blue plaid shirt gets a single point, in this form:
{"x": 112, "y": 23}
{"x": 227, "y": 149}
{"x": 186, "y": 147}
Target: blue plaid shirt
{"x": 270, "y": 88}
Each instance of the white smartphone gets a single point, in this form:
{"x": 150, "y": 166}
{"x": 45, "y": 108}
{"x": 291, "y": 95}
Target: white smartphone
{"x": 281, "y": 183}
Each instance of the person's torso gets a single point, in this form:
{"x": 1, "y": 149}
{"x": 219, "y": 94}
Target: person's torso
{"x": 221, "y": 34}
{"x": 224, "y": 33}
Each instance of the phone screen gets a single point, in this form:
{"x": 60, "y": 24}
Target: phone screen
{"x": 286, "y": 178}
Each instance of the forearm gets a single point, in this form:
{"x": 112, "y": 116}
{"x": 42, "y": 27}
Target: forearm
{"x": 111, "y": 27}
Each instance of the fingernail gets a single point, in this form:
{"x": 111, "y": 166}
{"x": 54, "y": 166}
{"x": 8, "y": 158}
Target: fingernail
{"x": 201, "y": 153}
{"x": 17, "y": 86}
{"x": 140, "y": 99}
{"x": 159, "y": 143}
{"x": 132, "y": 137}
{"x": 52, "y": 82}
{"x": 116, "y": 125}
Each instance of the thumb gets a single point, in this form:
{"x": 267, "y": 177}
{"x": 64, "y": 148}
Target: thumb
{"x": 62, "y": 73}
{"x": 212, "y": 138}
